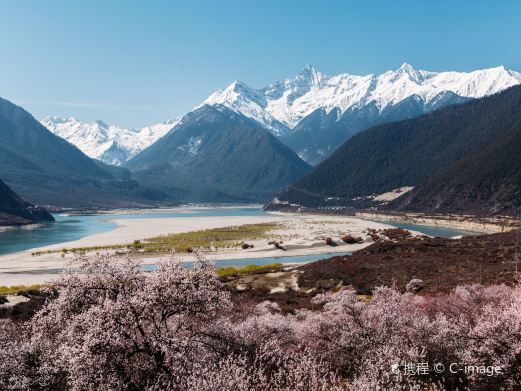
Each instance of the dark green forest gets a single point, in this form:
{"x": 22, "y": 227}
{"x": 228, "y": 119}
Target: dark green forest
{"x": 15, "y": 211}
{"x": 486, "y": 182}
{"x": 407, "y": 153}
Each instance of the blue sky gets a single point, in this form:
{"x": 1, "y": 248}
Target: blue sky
{"x": 134, "y": 63}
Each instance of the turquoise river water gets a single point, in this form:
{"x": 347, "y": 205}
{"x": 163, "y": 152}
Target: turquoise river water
{"x": 68, "y": 228}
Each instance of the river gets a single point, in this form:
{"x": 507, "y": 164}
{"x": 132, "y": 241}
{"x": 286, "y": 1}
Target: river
{"x": 73, "y": 227}
{"x": 68, "y": 228}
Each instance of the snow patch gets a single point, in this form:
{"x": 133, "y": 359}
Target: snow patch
{"x": 393, "y": 194}
{"x": 192, "y": 146}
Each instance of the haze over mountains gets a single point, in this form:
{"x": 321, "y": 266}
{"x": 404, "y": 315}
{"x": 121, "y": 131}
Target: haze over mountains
{"x": 45, "y": 169}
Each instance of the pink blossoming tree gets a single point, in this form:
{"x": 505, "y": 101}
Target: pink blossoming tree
{"x": 109, "y": 325}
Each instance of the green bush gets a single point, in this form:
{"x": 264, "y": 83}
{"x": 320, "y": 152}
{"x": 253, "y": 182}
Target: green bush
{"x": 232, "y": 271}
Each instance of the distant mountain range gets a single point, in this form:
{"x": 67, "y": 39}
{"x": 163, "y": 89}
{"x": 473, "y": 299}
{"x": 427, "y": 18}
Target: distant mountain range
{"x": 15, "y": 211}
{"x": 217, "y": 155}
{"x": 47, "y": 170}
{"x": 311, "y": 113}
{"x": 463, "y": 158}
{"x": 389, "y": 131}
{"x": 314, "y": 114}
{"x": 108, "y": 143}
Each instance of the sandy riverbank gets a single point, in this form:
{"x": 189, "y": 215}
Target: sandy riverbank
{"x": 476, "y": 224}
{"x": 302, "y": 235}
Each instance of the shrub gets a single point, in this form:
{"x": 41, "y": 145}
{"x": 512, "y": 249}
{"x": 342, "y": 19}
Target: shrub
{"x": 349, "y": 239}
{"x": 277, "y": 244}
{"x": 396, "y": 233}
{"x": 231, "y": 271}
{"x": 17, "y": 289}
{"x": 330, "y": 242}
{"x": 415, "y": 285}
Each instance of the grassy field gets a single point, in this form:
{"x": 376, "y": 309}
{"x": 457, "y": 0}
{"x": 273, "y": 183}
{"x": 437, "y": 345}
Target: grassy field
{"x": 14, "y": 289}
{"x": 226, "y": 237}
{"x": 231, "y": 271}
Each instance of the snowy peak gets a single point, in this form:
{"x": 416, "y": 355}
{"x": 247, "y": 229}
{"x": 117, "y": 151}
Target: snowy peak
{"x": 406, "y": 67}
{"x": 310, "y": 76}
{"x": 108, "y": 143}
{"x": 282, "y": 105}
{"x": 242, "y": 99}
{"x": 408, "y": 71}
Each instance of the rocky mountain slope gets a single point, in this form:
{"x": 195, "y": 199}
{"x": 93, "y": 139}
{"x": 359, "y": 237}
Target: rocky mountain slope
{"x": 15, "y": 211}
{"x": 47, "y": 170}
{"x": 215, "y": 154}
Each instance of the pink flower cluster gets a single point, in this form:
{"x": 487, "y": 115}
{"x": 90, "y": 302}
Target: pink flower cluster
{"x": 111, "y": 326}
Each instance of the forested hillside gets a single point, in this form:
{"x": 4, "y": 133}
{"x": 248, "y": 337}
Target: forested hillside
{"x": 318, "y": 135}
{"x": 216, "y": 155}
{"x": 15, "y": 211}
{"x": 46, "y": 170}
{"x": 487, "y": 181}
{"x": 406, "y": 153}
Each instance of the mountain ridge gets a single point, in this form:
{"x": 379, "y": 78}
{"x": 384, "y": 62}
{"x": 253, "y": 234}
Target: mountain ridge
{"x": 353, "y": 103}
{"x": 47, "y": 170}
{"x": 214, "y": 152}
{"x": 109, "y": 143}
{"x": 291, "y": 108}
{"x": 15, "y": 211}
{"x": 405, "y": 153}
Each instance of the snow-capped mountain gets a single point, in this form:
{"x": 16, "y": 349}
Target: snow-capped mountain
{"x": 108, "y": 143}
{"x": 315, "y": 113}
{"x": 312, "y": 113}
{"x": 287, "y": 102}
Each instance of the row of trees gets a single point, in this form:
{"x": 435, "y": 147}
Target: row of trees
{"x": 111, "y": 326}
